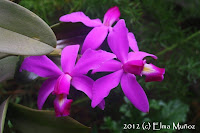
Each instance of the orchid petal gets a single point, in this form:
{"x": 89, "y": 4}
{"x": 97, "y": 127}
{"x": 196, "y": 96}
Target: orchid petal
{"x": 41, "y": 65}
{"x": 111, "y": 16}
{"x": 81, "y": 17}
{"x": 62, "y": 105}
{"x": 84, "y": 84}
{"x": 68, "y": 58}
{"x": 45, "y": 90}
{"x": 118, "y": 41}
{"x": 134, "y": 67}
{"x": 63, "y": 84}
{"x": 132, "y": 42}
{"x": 103, "y": 85}
{"x": 101, "y": 105}
{"x": 109, "y": 66}
{"x": 139, "y": 55}
{"x": 95, "y": 38}
{"x": 134, "y": 92}
{"x": 91, "y": 59}
{"x": 153, "y": 73}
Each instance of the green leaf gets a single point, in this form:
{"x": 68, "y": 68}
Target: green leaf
{"x": 3, "y": 111}
{"x": 27, "y": 120}
{"x": 175, "y": 111}
{"x": 71, "y": 33}
{"x": 22, "y": 32}
{"x": 7, "y": 67}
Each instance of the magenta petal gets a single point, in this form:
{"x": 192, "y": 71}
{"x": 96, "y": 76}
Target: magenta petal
{"x": 134, "y": 92}
{"x": 95, "y": 38}
{"x": 132, "y": 42}
{"x": 81, "y": 17}
{"x": 62, "y": 84}
{"x": 153, "y": 73}
{"x": 41, "y": 65}
{"x": 91, "y": 59}
{"x": 118, "y": 41}
{"x": 62, "y": 105}
{"x": 103, "y": 85}
{"x": 101, "y": 105}
{"x": 139, "y": 55}
{"x": 108, "y": 66}
{"x": 68, "y": 58}
{"x": 111, "y": 16}
{"x": 134, "y": 67}
{"x": 45, "y": 90}
{"x": 84, "y": 84}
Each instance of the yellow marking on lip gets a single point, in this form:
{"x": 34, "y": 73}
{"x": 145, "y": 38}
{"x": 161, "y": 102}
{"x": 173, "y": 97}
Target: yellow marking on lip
{"x": 61, "y": 96}
{"x": 61, "y": 100}
{"x": 147, "y": 69}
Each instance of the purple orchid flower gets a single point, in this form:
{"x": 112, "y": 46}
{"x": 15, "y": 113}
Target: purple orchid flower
{"x": 58, "y": 82}
{"x": 124, "y": 70}
{"x": 98, "y": 34}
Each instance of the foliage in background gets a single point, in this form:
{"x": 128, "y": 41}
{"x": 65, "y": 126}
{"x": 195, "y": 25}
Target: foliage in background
{"x": 171, "y": 30}
{"x": 161, "y": 112}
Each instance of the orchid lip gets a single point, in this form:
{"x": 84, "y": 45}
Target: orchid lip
{"x": 153, "y": 73}
{"x": 134, "y": 67}
{"x": 62, "y": 105}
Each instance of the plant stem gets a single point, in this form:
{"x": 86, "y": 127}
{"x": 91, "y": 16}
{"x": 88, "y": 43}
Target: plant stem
{"x": 80, "y": 101}
{"x": 56, "y": 52}
{"x": 176, "y": 44}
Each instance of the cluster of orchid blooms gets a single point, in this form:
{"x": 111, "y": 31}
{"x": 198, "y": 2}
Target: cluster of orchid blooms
{"x": 122, "y": 65}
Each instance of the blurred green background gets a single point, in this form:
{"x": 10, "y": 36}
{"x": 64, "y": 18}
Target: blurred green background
{"x": 169, "y": 29}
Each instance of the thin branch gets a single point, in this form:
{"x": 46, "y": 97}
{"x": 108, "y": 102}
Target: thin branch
{"x": 176, "y": 44}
